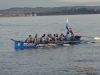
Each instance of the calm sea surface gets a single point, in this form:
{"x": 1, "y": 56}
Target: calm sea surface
{"x": 81, "y": 59}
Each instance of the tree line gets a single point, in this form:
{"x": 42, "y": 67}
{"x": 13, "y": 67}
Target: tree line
{"x": 69, "y": 12}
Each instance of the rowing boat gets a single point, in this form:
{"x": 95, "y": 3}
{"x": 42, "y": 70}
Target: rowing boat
{"x": 23, "y": 45}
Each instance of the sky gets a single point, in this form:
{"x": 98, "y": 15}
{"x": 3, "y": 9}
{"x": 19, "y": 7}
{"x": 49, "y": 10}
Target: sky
{"x": 6, "y": 4}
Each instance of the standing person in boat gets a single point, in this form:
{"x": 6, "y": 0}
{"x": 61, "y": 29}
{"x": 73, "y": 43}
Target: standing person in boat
{"x": 72, "y": 35}
{"x": 71, "y": 31}
{"x": 29, "y": 39}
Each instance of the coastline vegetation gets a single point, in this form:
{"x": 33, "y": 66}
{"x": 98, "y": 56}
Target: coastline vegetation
{"x": 23, "y": 12}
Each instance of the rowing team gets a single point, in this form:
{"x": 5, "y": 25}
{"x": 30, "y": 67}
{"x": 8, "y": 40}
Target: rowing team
{"x": 50, "y": 38}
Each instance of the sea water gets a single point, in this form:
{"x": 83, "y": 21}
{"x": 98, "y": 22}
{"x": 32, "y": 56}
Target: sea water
{"x": 80, "y": 59}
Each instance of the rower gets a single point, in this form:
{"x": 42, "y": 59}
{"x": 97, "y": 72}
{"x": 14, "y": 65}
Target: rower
{"x": 51, "y": 37}
{"x": 54, "y": 38}
{"x": 36, "y": 39}
{"x": 42, "y": 39}
{"x": 62, "y": 38}
{"x": 57, "y": 38}
{"x": 29, "y": 39}
{"x": 48, "y": 38}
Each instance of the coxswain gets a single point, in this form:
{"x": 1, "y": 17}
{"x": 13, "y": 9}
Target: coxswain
{"x": 67, "y": 37}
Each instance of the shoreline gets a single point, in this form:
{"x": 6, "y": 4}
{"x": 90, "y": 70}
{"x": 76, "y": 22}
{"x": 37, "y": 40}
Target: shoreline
{"x": 44, "y": 15}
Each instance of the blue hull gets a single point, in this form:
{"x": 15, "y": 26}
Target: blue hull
{"x": 73, "y": 42}
{"x": 22, "y": 45}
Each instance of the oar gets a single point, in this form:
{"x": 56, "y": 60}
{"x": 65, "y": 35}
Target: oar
{"x": 66, "y": 45}
{"x": 83, "y": 41}
{"x": 96, "y": 38}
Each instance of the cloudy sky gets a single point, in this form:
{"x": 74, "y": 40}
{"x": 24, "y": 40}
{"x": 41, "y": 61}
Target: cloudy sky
{"x": 6, "y": 4}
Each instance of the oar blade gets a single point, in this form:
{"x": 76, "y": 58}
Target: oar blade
{"x": 96, "y": 38}
{"x": 66, "y": 45}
